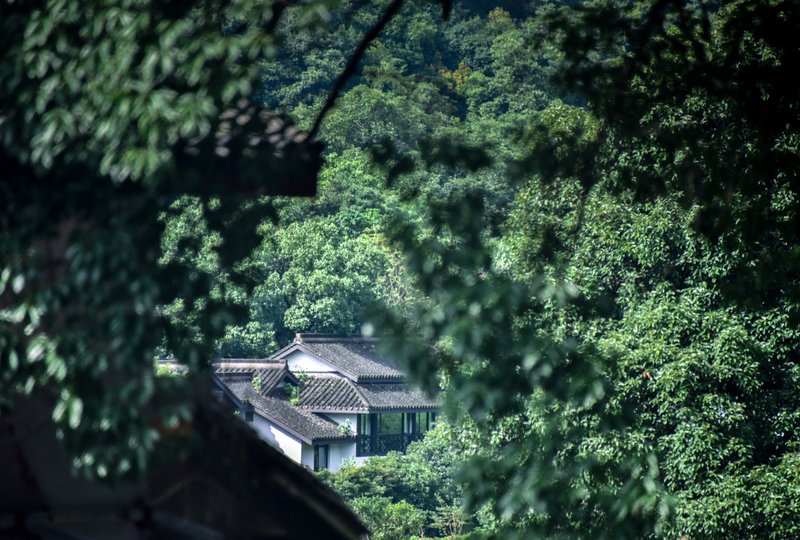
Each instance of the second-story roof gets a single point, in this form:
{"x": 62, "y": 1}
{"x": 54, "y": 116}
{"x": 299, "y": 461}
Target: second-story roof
{"x": 354, "y": 357}
{"x": 305, "y": 425}
{"x": 332, "y": 393}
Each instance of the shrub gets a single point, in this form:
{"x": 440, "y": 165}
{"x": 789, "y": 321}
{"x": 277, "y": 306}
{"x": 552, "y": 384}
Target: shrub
{"x": 387, "y": 520}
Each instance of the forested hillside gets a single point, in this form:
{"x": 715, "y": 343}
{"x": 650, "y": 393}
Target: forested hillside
{"x": 618, "y": 359}
{"x": 577, "y": 222}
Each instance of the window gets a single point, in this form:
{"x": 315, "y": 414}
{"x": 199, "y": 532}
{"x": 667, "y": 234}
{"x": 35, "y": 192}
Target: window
{"x": 390, "y": 423}
{"x": 419, "y": 422}
{"x": 364, "y": 427}
{"x": 394, "y": 423}
{"x": 320, "y": 457}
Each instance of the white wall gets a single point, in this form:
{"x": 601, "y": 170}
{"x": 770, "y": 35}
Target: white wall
{"x": 300, "y": 361}
{"x": 280, "y": 439}
{"x": 299, "y": 452}
{"x": 308, "y": 456}
{"x": 341, "y": 418}
{"x": 338, "y": 453}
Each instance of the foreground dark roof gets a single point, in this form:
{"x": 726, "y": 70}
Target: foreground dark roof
{"x": 224, "y": 482}
{"x": 305, "y": 425}
{"x": 331, "y": 393}
{"x": 354, "y": 356}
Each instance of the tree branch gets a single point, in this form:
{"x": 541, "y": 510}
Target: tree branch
{"x": 352, "y": 64}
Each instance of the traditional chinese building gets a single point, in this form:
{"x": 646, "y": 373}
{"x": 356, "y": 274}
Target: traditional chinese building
{"x": 325, "y": 400}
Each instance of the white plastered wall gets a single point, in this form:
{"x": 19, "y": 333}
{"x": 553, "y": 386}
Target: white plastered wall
{"x": 279, "y": 438}
{"x": 308, "y": 456}
{"x": 301, "y": 361}
{"x": 339, "y": 453}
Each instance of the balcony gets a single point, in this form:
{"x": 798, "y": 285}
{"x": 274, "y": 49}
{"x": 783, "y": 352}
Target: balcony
{"x": 379, "y": 445}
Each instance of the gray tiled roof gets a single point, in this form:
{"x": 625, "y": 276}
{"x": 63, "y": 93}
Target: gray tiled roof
{"x": 303, "y": 423}
{"x": 269, "y": 374}
{"x": 354, "y": 356}
{"x": 234, "y": 374}
{"x": 381, "y": 397}
{"x": 332, "y": 393}
{"x": 270, "y": 377}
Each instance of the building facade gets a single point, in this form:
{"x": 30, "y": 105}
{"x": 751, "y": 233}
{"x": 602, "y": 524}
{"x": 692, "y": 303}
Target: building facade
{"x": 325, "y": 400}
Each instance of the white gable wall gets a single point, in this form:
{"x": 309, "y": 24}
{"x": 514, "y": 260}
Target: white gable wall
{"x": 301, "y": 361}
{"x": 341, "y": 418}
{"x": 298, "y": 451}
{"x": 279, "y": 438}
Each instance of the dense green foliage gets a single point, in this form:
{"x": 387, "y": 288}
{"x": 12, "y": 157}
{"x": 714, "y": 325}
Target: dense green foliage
{"x": 415, "y": 493}
{"x": 111, "y": 114}
{"x": 622, "y": 343}
{"x": 579, "y": 219}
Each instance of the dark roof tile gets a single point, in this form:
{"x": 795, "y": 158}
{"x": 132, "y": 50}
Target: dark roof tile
{"x": 265, "y": 379}
{"x": 382, "y": 397}
{"x": 306, "y": 424}
{"x": 267, "y": 374}
{"x": 234, "y": 374}
{"x": 354, "y": 356}
{"x": 331, "y": 393}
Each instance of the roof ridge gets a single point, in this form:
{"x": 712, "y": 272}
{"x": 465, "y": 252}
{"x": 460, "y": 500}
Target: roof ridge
{"x": 331, "y": 338}
{"x": 272, "y": 385}
{"x": 246, "y": 360}
{"x": 364, "y": 401}
{"x": 248, "y": 364}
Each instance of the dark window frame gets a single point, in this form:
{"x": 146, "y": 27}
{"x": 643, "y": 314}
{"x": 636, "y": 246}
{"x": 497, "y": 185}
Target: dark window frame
{"x": 317, "y": 448}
